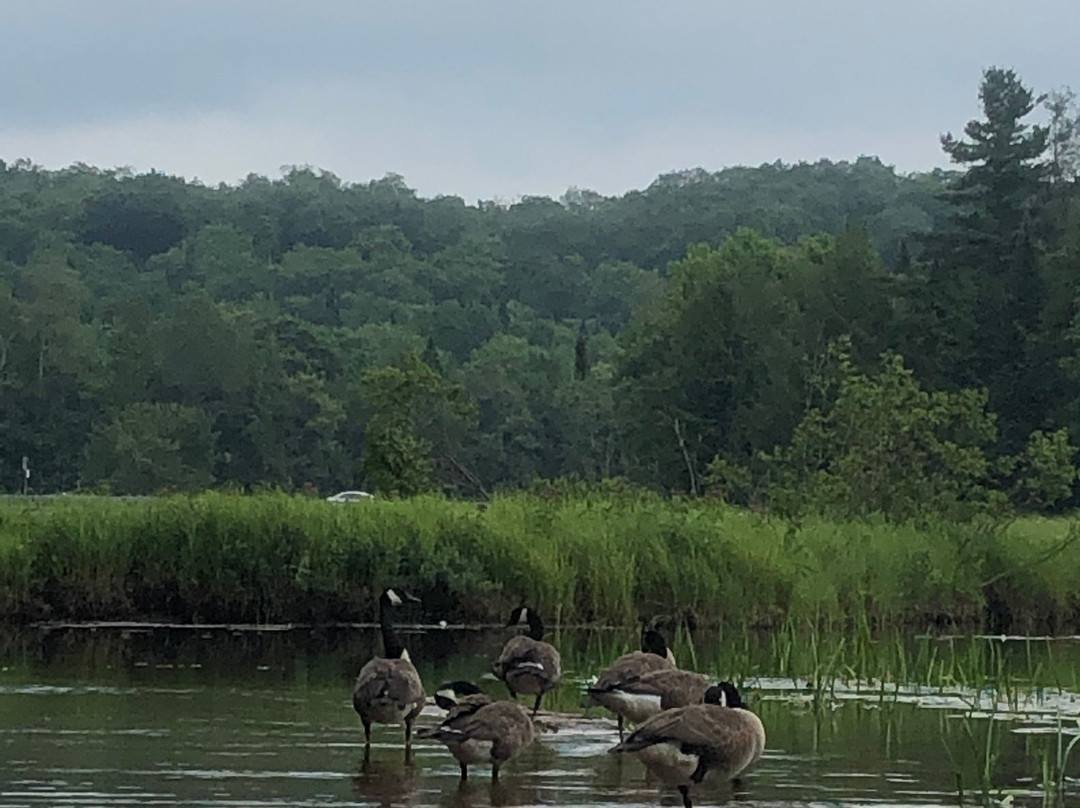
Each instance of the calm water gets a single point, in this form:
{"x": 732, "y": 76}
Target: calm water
{"x": 244, "y": 718}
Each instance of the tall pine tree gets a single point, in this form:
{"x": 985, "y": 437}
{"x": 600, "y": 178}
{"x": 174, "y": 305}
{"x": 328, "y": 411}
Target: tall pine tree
{"x": 984, "y": 281}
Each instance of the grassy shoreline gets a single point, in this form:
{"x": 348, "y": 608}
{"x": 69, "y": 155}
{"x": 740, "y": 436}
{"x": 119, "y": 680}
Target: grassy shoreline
{"x": 271, "y": 558}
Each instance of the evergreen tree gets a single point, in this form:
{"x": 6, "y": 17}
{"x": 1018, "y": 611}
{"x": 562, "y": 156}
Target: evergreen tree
{"x": 985, "y": 291}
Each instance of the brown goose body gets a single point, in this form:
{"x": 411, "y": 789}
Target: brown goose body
{"x": 388, "y": 691}
{"x": 527, "y": 664}
{"x": 657, "y": 690}
{"x": 478, "y": 730}
{"x": 608, "y": 690}
{"x": 684, "y": 744}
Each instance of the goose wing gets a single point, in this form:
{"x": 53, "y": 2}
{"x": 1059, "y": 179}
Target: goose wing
{"x": 525, "y": 653}
{"x": 457, "y": 715}
{"x": 504, "y": 723}
{"x": 388, "y": 681}
{"x": 676, "y": 688}
{"x": 629, "y": 668}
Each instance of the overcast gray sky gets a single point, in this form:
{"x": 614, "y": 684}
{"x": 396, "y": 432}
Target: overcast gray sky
{"x": 501, "y": 98}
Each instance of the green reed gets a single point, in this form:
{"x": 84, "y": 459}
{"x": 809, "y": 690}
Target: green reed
{"x": 587, "y": 559}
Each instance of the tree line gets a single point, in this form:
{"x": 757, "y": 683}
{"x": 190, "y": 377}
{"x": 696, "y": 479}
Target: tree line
{"x": 787, "y": 336}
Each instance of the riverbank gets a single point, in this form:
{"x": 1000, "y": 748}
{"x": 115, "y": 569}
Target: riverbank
{"x": 271, "y": 558}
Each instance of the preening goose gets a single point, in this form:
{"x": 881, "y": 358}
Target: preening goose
{"x": 684, "y": 744}
{"x": 528, "y": 664}
{"x": 479, "y": 730}
{"x": 607, "y": 690}
{"x": 388, "y": 689}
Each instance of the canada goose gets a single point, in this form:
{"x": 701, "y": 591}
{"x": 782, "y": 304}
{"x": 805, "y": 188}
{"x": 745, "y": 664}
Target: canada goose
{"x": 684, "y": 744}
{"x": 607, "y": 690}
{"x": 388, "y": 689}
{"x": 528, "y": 664}
{"x": 480, "y": 730}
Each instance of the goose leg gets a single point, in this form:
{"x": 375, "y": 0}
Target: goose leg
{"x": 536, "y": 706}
{"x": 494, "y": 772}
{"x": 408, "y": 740}
{"x": 620, "y": 728}
{"x": 464, "y": 771}
{"x": 685, "y": 791}
{"x": 367, "y": 733}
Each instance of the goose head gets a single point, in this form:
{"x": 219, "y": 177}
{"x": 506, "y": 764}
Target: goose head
{"x": 652, "y": 642}
{"x": 449, "y": 694}
{"x": 396, "y": 596}
{"x": 725, "y": 694}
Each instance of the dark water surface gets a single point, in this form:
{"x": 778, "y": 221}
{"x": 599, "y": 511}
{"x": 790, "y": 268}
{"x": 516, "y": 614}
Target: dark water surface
{"x": 195, "y": 717}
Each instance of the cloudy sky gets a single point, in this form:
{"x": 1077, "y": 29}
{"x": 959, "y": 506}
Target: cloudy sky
{"x": 499, "y": 98}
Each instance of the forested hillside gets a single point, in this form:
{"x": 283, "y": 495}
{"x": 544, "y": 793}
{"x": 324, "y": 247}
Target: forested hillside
{"x": 834, "y": 333}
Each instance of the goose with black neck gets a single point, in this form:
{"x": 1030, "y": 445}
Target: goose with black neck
{"x": 527, "y": 664}
{"x": 388, "y": 689}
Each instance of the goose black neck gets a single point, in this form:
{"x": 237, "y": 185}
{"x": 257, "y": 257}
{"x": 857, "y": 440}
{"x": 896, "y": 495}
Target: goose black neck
{"x": 536, "y": 625}
{"x": 652, "y": 642}
{"x": 392, "y": 647}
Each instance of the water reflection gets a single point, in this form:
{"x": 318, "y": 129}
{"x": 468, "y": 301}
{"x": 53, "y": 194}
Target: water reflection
{"x": 213, "y": 718}
{"x": 386, "y": 782}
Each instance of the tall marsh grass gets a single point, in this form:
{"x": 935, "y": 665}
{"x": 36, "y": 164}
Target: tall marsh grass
{"x": 585, "y": 559}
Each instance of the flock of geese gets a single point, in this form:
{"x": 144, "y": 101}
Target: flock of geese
{"x": 685, "y": 726}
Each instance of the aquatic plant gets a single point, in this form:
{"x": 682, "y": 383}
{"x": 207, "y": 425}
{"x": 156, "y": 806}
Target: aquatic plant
{"x": 597, "y": 559}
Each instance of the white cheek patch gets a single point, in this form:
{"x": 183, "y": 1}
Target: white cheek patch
{"x": 395, "y": 600}
{"x": 523, "y": 618}
{"x": 405, "y": 655}
{"x": 447, "y": 694}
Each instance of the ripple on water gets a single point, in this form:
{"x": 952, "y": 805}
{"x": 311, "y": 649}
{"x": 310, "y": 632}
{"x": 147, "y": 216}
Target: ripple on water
{"x": 222, "y": 732}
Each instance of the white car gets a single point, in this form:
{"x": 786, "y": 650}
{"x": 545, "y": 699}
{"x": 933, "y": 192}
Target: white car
{"x": 350, "y": 496}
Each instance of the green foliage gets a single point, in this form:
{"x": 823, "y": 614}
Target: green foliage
{"x": 1043, "y": 475}
{"x": 152, "y": 447}
{"x": 1063, "y": 135}
{"x": 396, "y": 462}
{"x": 670, "y": 336}
{"x": 887, "y": 446}
{"x": 141, "y": 215}
{"x": 729, "y": 482}
{"x": 601, "y": 555}
{"x": 985, "y": 293}
{"x": 417, "y": 420}
{"x": 719, "y": 365}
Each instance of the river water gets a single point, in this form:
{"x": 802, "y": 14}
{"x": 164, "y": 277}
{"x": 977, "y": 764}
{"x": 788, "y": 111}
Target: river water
{"x": 235, "y": 717}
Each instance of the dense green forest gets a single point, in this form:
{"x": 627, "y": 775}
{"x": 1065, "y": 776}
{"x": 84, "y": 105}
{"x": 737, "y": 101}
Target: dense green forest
{"x": 834, "y": 335}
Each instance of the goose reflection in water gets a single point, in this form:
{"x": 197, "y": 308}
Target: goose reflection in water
{"x": 388, "y": 782}
{"x": 483, "y": 793}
